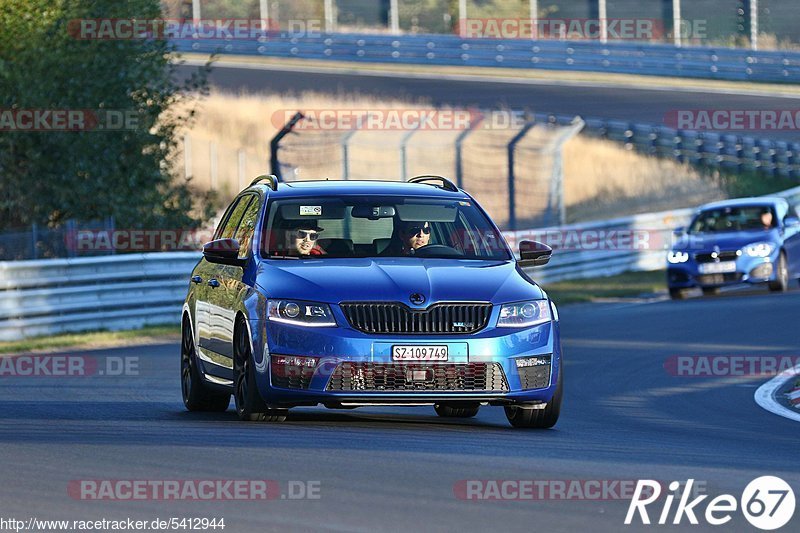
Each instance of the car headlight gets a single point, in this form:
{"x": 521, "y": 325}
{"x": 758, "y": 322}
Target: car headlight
{"x": 524, "y": 314}
{"x": 301, "y": 313}
{"x": 759, "y": 249}
{"x": 677, "y": 257}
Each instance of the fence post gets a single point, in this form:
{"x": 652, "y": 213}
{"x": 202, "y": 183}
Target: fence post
{"x": 274, "y": 144}
{"x": 346, "y": 153}
{"x": 512, "y": 195}
{"x": 473, "y": 124}
{"x": 557, "y": 179}
{"x": 404, "y": 154}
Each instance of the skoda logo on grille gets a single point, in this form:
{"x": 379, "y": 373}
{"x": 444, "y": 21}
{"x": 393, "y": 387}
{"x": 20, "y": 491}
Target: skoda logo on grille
{"x": 417, "y": 298}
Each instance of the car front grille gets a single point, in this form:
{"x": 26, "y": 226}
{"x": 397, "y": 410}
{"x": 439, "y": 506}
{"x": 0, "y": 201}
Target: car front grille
{"x": 397, "y": 318}
{"x": 721, "y": 256}
{"x": 418, "y": 377}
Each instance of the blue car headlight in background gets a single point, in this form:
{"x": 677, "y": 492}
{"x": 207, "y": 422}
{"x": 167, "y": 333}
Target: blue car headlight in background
{"x": 524, "y": 314}
{"x": 301, "y": 313}
{"x": 677, "y": 257}
{"x": 759, "y": 249}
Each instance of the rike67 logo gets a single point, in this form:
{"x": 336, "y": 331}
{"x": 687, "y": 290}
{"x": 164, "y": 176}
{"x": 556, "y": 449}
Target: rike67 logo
{"x": 767, "y": 503}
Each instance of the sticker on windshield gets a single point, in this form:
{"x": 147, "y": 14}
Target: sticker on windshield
{"x": 311, "y": 210}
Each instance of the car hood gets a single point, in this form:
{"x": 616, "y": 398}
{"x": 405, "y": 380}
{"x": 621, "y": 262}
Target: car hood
{"x": 395, "y": 279}
{"x": 734, "y": 240}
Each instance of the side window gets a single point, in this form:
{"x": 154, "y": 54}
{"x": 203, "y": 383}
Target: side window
{"x": 230, "y": 225}
{"x": 247, "y": 227}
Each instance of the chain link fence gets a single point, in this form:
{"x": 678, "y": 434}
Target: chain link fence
{"x": 509, "y": 162}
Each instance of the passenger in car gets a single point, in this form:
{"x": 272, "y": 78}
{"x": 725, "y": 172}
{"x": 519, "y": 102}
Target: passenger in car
{"x": 303, "y": 237}
{"x": 767, "y": 219}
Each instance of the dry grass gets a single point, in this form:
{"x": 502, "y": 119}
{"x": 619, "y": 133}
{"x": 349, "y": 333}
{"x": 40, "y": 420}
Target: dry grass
{"x": 602, "y": 179}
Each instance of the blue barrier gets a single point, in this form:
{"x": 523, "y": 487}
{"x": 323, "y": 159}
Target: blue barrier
{"x": 589, "y": 56}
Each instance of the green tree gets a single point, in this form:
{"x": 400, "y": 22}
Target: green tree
{"x": 48, "y": 177}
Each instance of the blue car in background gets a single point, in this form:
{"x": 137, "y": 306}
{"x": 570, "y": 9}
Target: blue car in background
{"x": 351, "y": 294}
{"x": 747, "y": 240}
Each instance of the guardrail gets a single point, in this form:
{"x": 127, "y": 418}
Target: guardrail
{"x": 52, "y": 296}
{"x": 731, "y": 64}
{"x": 735, "y": 153}
{"x": 129, "y": 291}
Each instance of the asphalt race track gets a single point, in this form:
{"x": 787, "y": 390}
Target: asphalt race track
{"x": 636, "y": 105}
{"x": 393, "y": 469}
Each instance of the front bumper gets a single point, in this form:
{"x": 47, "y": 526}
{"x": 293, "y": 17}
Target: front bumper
{"x": 749, "y": 270}
{"x": 469, "y": 355}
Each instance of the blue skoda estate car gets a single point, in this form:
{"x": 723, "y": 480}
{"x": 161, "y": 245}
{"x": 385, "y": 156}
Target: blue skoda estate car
{"x": 350, "y": 294}
{"x": 748, "y": 240}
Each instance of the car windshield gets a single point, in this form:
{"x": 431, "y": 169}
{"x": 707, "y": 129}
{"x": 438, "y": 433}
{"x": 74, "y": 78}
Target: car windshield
{"x": 739, "y": 218}
{"x": 347, "y": 227}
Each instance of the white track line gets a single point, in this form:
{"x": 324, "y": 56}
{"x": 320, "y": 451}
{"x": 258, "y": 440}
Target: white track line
{"x": 765, "y": 394}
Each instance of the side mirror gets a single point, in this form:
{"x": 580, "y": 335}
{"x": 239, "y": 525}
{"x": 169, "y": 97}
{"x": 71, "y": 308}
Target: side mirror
{"x": 533, "y": 254}
{"x": 223, "y": 252}
{"x": 679, "y": 232}
{"x": 791, "y": 222}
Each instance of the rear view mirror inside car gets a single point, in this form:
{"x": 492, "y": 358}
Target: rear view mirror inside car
{"x": 373, "y": 212}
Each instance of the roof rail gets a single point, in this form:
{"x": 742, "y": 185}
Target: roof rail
{"x": 272, "y": 180}
{"x": 444, "y": 183}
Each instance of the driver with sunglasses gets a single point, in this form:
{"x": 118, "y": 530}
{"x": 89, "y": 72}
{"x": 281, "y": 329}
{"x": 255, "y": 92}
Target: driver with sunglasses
{"x": 414, "y": 235}
{"x": 304, "y": 237}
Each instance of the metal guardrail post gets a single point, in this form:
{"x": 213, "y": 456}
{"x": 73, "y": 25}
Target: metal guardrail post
{"x": 512, "y": 193}
{"x": 473, "y": 125}
{"x": 275, "y": 165}
{"x": 346, "y": 153}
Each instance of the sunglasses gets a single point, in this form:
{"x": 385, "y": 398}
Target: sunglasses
{"x": 307, "y": 234}
{"x": 415, "y": 230}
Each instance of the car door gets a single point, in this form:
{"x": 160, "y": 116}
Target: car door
{"x": 223, "y": 296}
{"x": 211, "y": 321}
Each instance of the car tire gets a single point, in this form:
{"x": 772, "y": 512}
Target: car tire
{"x": 521, "y": 417}
{"x": 450, "y": 411}
{"x": 781, "y": 283}
{"x": 677, "y": 294}
{"x": 710, "y": 291}
{"x": 250, "y": 406}
{"x": 197, "y": 396}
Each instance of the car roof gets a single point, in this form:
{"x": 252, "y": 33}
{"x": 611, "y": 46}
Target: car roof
{"x": 740, "y": 202}
{"x": 322, "y": 188}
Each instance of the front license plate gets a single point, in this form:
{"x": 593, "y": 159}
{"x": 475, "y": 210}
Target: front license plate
{"x": 419, "y": 353}
{"x": 725, "y": 267}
